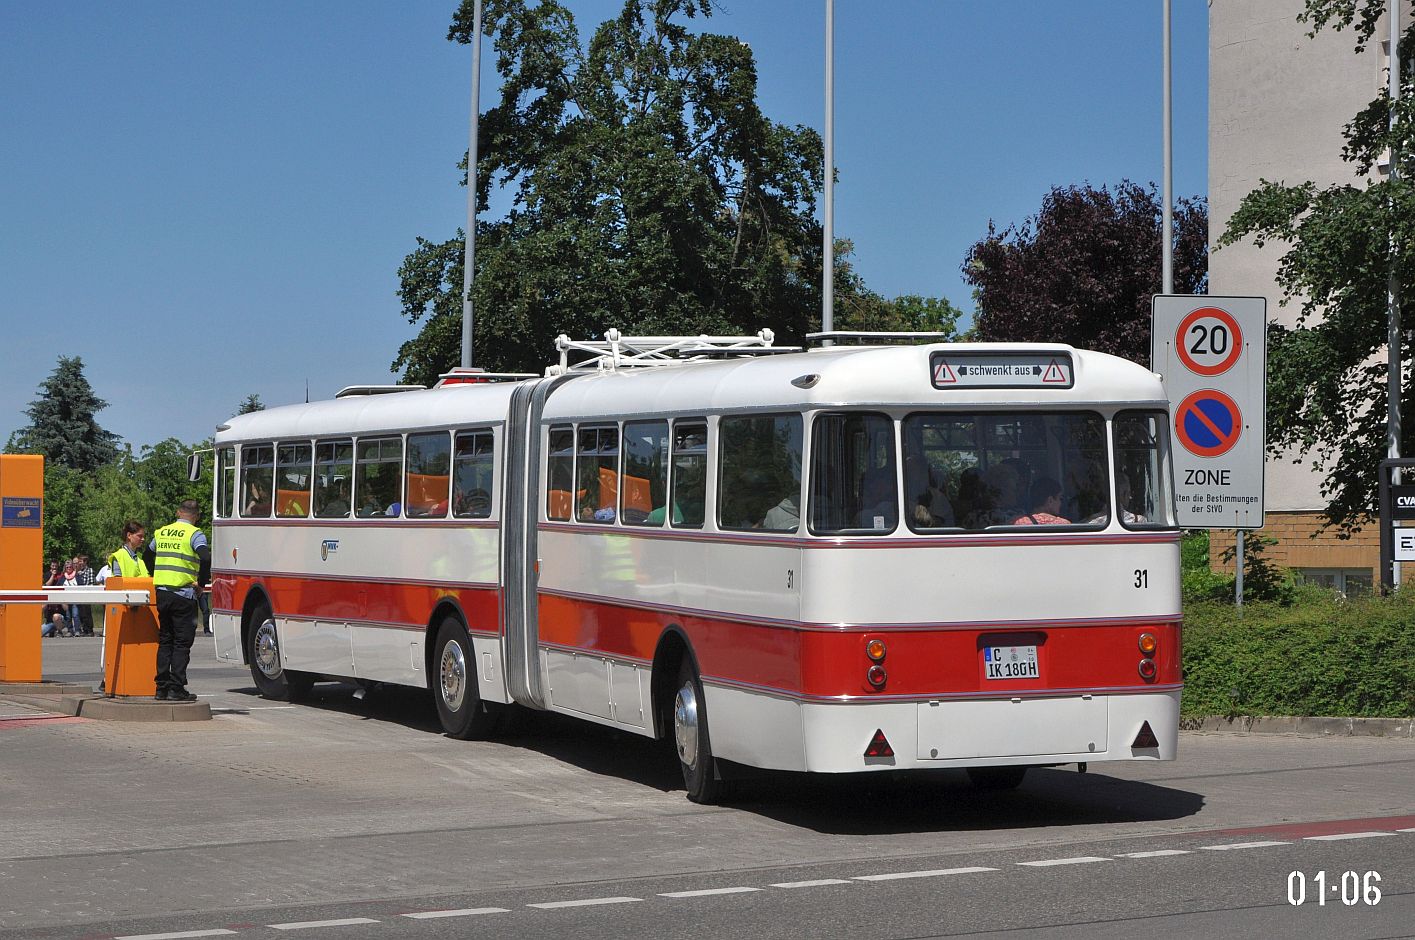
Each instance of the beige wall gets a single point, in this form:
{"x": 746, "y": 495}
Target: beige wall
{"x": 1278, "y": 100}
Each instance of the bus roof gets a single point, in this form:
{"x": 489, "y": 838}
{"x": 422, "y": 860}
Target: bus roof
{"x": 883, "y": 376}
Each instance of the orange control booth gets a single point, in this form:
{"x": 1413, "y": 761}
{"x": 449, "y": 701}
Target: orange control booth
{"x": 21, "y": 564}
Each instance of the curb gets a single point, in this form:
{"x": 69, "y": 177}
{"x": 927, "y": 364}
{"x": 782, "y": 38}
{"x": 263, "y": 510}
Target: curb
{"x": 1295, "y": 724}
{"x": 103, "y": 708}
{"x": 46, "y": 687}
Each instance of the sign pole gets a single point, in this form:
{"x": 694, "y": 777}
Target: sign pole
{"x": 1393, "y": 333}
{"x": 1238, "y": 580}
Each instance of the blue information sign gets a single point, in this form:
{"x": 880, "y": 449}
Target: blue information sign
{"x": 21, "y": 512}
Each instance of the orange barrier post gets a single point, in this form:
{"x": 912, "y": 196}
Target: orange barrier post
{"x": 21, "y": 564}
{"x": 130, "y": 647}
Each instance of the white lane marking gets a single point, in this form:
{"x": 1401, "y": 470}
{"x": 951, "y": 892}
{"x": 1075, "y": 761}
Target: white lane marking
{"x": 219, "y": 932}
{"x": 819, "y": 883}
{"x": 464, "y": 912}
{"x": 705, "y": 892}
{"x": 1346, "y": 835}
{"x": 307, "y": 924}
{"x": 1157, "y": 853}
{"x": 1241, "y": 845}
{"x": 1405, "y": 830}
{"x": 584, "y": 903}
{"x": 933, "y": 873}
{"x": 1078, "y": 860}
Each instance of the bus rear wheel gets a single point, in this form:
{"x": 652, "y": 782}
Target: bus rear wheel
{"x": 271, "y": 677}
{"x": 691, "y": 740}
{"x": 997, "y": 778}
{"x": 454, "y": 685}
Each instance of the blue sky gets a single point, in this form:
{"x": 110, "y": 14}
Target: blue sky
{"x": 209, "y": 200}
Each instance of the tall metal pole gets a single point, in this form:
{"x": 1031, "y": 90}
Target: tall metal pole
{"x": 1394, "y": 365}
{"x": 469, "y": 257}
{"x": 1167, "y": 262}
{"x": 828, "y": 238}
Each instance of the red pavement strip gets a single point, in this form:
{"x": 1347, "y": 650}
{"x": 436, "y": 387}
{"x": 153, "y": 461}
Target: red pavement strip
{"x": 1301, "y": 830}
{"x": 8, "y": 723}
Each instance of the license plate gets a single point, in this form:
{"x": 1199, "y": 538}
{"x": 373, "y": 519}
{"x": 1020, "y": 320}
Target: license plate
{"x": 1011, "y": 662}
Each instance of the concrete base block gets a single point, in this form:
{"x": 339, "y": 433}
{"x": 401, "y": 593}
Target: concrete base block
{"x": 44, "y": 687}
{"x": 134, "y": 709}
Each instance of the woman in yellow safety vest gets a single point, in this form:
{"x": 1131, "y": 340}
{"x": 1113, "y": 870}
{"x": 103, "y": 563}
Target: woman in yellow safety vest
{"x": 127, "y": 561}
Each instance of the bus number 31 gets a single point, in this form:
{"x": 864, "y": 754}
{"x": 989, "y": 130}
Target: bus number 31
{"x": 1142, "y": 577}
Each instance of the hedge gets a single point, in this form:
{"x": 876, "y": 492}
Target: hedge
{"x": 1319, "y": 656}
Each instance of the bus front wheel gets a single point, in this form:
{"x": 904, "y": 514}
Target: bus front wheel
{"x": 271, "y": 677}
{"x": 454, "y": 685}
{"x": 691, "y": 740}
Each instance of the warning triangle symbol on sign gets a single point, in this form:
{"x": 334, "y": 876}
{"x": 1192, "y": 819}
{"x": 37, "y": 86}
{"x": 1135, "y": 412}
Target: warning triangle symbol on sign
{"x": 1054, "y": 374}
{"x": 943, "y": 373}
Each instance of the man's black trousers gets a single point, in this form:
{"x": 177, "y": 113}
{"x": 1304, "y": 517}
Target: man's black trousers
{"x": 176, "y": 630}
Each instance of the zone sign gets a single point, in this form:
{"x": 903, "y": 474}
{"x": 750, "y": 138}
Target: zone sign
{"x": 1211, "y": 354}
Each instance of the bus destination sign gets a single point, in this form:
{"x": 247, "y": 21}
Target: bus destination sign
{"x": 1001, "y": 370}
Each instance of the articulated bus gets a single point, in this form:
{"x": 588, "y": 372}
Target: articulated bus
{"x": 853, "y": 558}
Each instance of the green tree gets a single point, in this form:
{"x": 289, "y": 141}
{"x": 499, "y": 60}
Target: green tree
{"x": 650, "y": 193}
{"x": 1083, "y": 269}
{"x": 1326, "y": 392}
{"x": 62, "y": 423}
{"x": 250, "y": 403}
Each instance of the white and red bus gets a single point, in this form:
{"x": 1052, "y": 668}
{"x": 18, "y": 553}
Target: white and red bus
{"x": 848, "y": 559}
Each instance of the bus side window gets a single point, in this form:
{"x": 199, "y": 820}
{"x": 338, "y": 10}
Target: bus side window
{"x": 333, "y": 478}
{"x": 378, "y": 473}
{"x": 560, "y": 473}
{"x": 759, "y": 486}
{"x": 643, "y": 492}
{"x": 690, "y": 456}
{"x": 597, "y": 474}
{"x": 471, "y": 474}
{"x": 429, "y": 474}
{"x": 257, "y": 480}
{"x": 292, "y": 480}
{"x": 225, "y": 482}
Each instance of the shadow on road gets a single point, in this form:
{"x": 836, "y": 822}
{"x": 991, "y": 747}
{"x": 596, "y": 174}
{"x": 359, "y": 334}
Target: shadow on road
{"x": 877, "y": 803}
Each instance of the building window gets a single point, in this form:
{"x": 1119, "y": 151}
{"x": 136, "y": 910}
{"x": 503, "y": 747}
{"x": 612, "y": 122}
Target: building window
{"x": 1348, "y": 582}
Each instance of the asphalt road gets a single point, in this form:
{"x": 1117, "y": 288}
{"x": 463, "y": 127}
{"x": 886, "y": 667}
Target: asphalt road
{"x": 348, "y": 818}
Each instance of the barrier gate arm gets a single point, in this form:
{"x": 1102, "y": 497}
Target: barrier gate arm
{"x": 67, "y": 596}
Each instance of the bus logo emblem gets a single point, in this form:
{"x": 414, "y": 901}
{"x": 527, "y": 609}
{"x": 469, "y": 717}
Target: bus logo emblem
{"x": 327, "y": 548}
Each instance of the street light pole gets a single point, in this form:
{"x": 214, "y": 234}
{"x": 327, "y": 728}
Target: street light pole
{"x": 1393, "y": 351}
{"x": 469, "y": 256}
{"x": 828, "y": 238}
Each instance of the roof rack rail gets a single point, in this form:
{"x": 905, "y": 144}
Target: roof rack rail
{"x": 353, "y": 390}
{"x": 460, "y": 376}
{"x": 885, "y": 336}
{"x": 617, "y": 351}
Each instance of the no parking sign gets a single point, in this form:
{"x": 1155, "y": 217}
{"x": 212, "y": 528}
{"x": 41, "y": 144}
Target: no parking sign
{"x": 1212, "y": 354}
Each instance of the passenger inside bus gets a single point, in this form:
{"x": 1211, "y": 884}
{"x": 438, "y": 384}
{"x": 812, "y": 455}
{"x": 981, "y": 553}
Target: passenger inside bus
{"x": 258, "y": 503}
{"x": 927, "y": 504}
{"x": 337, "y": 506}
{"x": 999, "y": 503}
{"x": 1046, "y": 504}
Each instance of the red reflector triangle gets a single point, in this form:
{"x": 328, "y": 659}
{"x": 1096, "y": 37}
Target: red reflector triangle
{"x": 879, "y": 746}
{"x": 1146, "y": 737}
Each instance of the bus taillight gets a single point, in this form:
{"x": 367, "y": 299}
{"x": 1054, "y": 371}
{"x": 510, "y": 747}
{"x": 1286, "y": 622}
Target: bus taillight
{"x": 875, "y": 650}
{"x": 1148, "y": 644}
{"x": 1147, "y": 670}
{"x": 875, "y": 676}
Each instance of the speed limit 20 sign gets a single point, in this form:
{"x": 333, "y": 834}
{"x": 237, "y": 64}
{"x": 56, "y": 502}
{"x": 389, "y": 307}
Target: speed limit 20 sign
{"x": 1211, "y": 353}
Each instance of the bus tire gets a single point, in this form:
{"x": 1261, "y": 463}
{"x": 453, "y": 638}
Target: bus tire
{"x": 690, "y": 737}
{"x": 997, "y": 778}
{"x": 272, "y": 679}
{"x": 454, "y": 686}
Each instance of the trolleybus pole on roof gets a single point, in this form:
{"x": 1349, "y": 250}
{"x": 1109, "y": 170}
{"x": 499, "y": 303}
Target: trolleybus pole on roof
{"x": 469, "y": 258}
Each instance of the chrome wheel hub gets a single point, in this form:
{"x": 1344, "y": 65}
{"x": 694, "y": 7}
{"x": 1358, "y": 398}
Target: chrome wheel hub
{"x": 452, "y": 673}
{"x": 685, "y": 725}
{"x": 267, "y": 650}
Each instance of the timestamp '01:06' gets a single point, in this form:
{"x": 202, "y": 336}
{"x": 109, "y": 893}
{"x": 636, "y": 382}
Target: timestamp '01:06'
{"x": 1352, "y": 887}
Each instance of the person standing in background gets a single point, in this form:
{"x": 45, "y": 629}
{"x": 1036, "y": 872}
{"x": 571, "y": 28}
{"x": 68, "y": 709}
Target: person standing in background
{"x": 83, "y": 574}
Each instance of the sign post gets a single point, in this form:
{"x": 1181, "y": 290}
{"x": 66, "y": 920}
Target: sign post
{"x": 1211, "y": 353}
{"x": 1397, "y": 504}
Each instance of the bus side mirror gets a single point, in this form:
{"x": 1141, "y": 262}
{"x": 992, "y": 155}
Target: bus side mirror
{"x": 194, "y": 468}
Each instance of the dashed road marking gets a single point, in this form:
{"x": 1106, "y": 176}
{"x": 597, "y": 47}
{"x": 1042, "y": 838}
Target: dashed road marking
{"x": 1241, "y": 845}
{"x": 1157, "y": 853}
{"x": 704, "y": 892}
{"x": 932, "y": 873}
{"x": 818, "y": 883}
{"x": 1405, "y": 830}
{"x": 463, "y": 912}
{"x": 308, "y": 924}
{"x": 1335, "y": 837}
{"x": 587, "y": 902}
{"x": 219, "y": 932}
{"x": 1078, "y": 860}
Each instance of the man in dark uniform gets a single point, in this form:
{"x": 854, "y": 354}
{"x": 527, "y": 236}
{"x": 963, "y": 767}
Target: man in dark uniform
{"x": 180, "y": 561}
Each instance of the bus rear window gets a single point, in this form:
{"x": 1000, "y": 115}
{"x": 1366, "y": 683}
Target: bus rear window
{"x": 1142, "y": 485}
{"x": 968, "y": 472}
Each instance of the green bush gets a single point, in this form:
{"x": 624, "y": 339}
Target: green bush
{"x": 1320, "y": 655}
